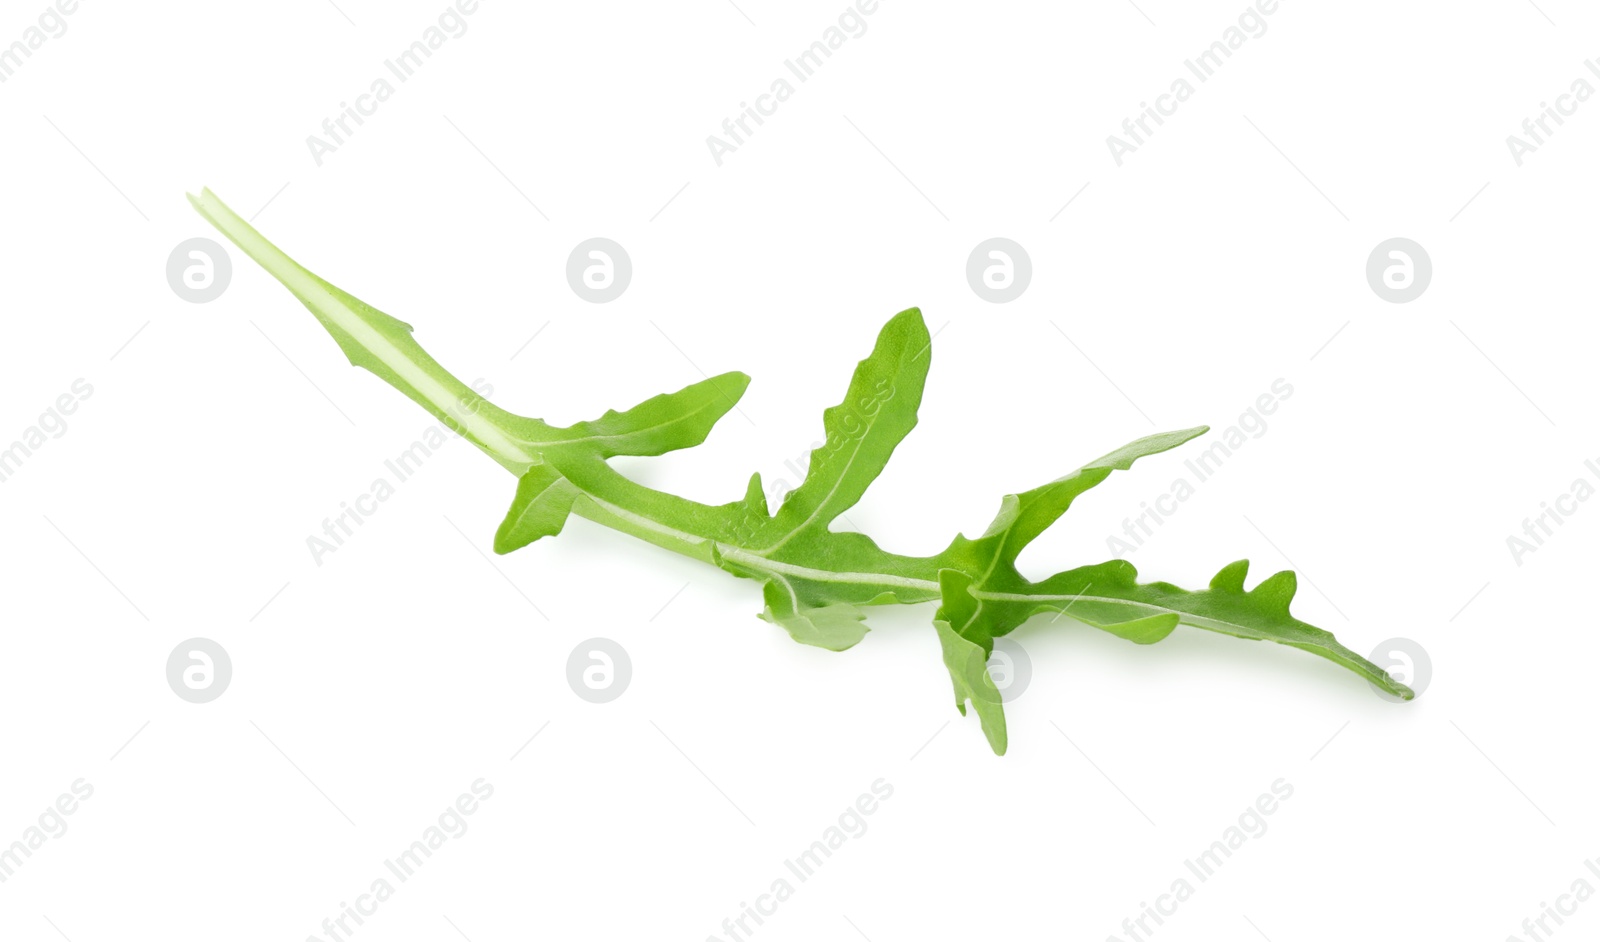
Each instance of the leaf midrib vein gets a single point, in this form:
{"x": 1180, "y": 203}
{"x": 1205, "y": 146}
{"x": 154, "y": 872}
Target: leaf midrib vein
{"x": 754, "y": 560}
{"x": 602, "y": 438}
{"x": 823, "y": 503}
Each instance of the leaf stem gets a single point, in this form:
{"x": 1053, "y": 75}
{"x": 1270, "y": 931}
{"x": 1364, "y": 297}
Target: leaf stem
{"x": 377, "y": 342}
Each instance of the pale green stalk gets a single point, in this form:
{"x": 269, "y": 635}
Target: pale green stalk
{"x": 815, "y": 580}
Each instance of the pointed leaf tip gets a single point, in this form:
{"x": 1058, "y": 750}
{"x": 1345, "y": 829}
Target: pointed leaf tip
{"x": 911, "y": 323}
{"x": 543, "y": 501}
{"x": 965, "y": 643}
{"x": 733, "y": 383}
{"x": 1277, "y": 590}
{"x": 1231, "y": 577}
{"x": 859, "y": 434}
{"x": 1123, "y": 458}
{"x": 968, "y": 664}
{"x": 755, "y": 497}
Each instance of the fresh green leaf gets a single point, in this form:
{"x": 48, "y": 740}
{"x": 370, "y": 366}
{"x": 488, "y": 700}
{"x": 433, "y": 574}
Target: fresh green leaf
{"x": 544, "y": 499}
{"x": 656, "y": 426}
{"x": 816, "y": 582}
{"x": 660, "y": 424}
{"x": 832, "y": 625}
{"x": 967, "y": 659}
{"x": 860, "y": 433}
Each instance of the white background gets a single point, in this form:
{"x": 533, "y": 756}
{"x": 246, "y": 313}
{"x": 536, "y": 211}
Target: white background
{"x": 370, "y": 691}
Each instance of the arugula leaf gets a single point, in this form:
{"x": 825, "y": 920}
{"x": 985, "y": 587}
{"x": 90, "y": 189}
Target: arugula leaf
{"x": 656, "y": 426}
{"x": 379, "y": 343}
{"x": 816, "y": 582}
{"x": 860, "y": 433}
{"x": 815, "y": 621}
{"x": 1023, "y": 517}
{"x": 968, "y": 660}
{"x": 1260, "y": 614}
{"x": 540, "y": 509}
{"x": 878, "y": 411}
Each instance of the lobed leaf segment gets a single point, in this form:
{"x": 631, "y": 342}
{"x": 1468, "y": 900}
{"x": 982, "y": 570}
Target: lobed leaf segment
{"x": 816, "y": 582}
